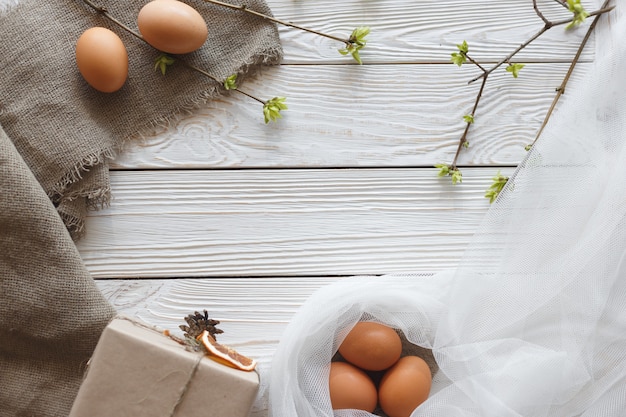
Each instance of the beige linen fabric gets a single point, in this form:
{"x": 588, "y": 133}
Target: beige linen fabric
{"x": 51, "y": 313}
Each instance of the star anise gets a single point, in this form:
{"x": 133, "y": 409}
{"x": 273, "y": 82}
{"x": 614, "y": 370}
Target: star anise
{"x": 199, "y": 322}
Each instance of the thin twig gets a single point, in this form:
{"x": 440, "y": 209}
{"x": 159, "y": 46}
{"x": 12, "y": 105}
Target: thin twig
{"x": 244, "y": 8}
{"x": 538, "y": 12}
{"x": 561, "y": 89}
{"x": 475, "y": 63}
{"x": 467, "y": 126}
{"x": 511, "y": 55}
{"x": 104, "y": 12}
{"x": 203, "y": 72}
{"x": 547, "y": 25}
{"x": 598, "y": 12}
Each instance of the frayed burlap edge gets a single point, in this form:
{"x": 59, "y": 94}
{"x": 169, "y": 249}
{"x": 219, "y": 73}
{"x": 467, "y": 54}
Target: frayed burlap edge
{"x": 269, "y": 57}
{"x": 101, "y": 198}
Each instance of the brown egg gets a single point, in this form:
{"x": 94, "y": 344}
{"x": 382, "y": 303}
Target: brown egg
{"x": 102, "y": 59}
{"x": 350, "y": 387}
{"x": 172, "y": 26}
{"x": 404, "y": 386}
{"x": 371, "y": 346}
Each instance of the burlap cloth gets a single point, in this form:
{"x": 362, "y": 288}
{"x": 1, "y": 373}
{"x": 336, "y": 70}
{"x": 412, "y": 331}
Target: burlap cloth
{"x": 65, "y": 130}
{"x": 58, "y": 135}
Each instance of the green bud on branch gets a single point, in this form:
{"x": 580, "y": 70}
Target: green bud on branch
{"x": 272, "y": 108}
{"x": 499, "y": 181}
{"x": 230, "y": 83}
{"x": 162, "y": 62}
{"x": 448, "y": 170}
{"x": 457, "y": 177}
{"x": 515, "y": 69}
{"x": 460, "y": 58}
{"x": 355, "y": 43}
{"x": 444, "y": 169}
{"x": 580, "y": 14}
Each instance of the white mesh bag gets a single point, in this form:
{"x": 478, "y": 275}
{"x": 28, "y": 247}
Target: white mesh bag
{"x": 533, "y": 321}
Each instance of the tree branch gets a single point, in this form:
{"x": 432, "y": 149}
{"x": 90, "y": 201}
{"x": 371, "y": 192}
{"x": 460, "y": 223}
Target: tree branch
{"x": 463, "y": 139}
{"x": 547, "y": 25}
{"x": 561, "y": 89}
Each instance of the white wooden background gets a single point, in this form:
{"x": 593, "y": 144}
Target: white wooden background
{"x": 246, "y": 220}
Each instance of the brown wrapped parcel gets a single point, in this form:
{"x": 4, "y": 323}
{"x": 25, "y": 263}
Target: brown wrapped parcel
{"x": 138, "y": 371}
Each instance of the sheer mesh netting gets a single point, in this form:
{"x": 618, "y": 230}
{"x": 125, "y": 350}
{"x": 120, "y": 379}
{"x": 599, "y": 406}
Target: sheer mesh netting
{"x": 533, "y": 321}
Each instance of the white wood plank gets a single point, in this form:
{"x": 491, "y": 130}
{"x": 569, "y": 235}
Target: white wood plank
{"x": 283, "y": 222}
{"x": 379, "y": 115}
{"x": 412, "y": 31}
{"x": 253, "y": 312}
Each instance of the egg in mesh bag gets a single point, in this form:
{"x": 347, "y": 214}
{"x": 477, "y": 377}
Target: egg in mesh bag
{"x": 299, "y": 375}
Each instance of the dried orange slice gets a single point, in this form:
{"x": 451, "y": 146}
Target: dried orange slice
{"x": 224, "y": 354}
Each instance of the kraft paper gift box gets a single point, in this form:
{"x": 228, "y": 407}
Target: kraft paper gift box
{"x": 136, "y": 371}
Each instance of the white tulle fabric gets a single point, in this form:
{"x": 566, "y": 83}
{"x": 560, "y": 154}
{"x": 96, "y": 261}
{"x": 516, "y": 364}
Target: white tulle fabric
{"x": 533, "y": 321}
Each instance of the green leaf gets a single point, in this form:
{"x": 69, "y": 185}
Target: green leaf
{"x": 356, "y": 42}
{"x": 515, "y": 69}
{"x": 444, "y": 169}
{"x": 468, "y": 118}
{"x": 358, "y": 35}
{"x": 491, "y": 195}
{"x": 272, "y": 109}
{"x": 580, "y": 14}
{"x": 162, "y": 62}
{"x": 447, "y": 170}
{"x": 353, "y": 50}
{"x": 230, "y": 83}
{"x": 466, "y": 144}
{"x": 498, "y": 183}
{"x": 528, "y": 147}
{"x": 459, "y": 58}
{"x": 463, "y": 48}
{"x": 457, "y": 177}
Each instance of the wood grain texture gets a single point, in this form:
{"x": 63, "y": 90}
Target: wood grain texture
{"x": 283, "y": 222}
{"x": 426, "y": 31}
{"x": 379, "y": 115}
{"x": 251, "y": 311}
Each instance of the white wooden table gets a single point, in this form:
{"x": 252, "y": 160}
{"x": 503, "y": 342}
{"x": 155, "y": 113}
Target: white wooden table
{"x": 246, "y": 220}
